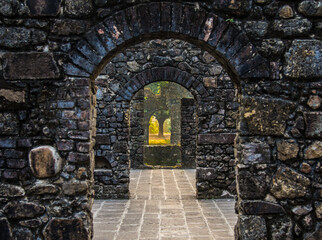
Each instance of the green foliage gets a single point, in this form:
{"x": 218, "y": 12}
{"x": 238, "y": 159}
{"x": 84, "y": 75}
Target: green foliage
{"x": 231, "y": 20}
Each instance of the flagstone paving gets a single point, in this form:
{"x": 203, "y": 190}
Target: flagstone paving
{"x": 163, "y": 206}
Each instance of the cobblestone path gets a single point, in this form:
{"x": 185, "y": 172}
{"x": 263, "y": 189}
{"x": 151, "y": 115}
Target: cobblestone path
{"x": 163, "y": 207}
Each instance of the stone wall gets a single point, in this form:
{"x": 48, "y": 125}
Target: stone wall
{"x": 51, "y": 52}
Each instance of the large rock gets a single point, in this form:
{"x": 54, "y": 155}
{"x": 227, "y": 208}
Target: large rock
{"x": 254, "y": 153}
{"x": 303, "y": 59}
{"x": 78, "y": 8}
{"x": 313, "y": 151}
{"x": 311, "y": 8}
{"x": 43, "y": 7}
{"x": 22, "y": 66}
{"x": 23, "y": 210}
{"x": 261, "y": 116}
{"x": 281, "y": 229}
{"x": 292, "y": 27}
{"x": 252, "y": 228}
{"x": 9, "y": 124}
{"x": 251, "y": 186}
{"x": 5, "y": 229}
{"x": 11, "y": 191}
{"x": 63, "y": 228}
{"x": 287, "y": 183}
{"x": 45, "y": 162}
{"x": 287, "y": 150}
{"x": 313, "y": 124}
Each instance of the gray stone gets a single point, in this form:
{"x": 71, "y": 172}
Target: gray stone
{"x": 252, "y": 228}
{"x": 133, "y": 66}
{"x": 281, "y": 229}
{"x": 23, "y": 210}
{"x": 45, "y": 161}
{"x": 289, "y": 184}
{"x": 43, "y": 7}
{"x": 7, "y": 7}
{"x": 216, "y": 138}
{"x": 5, "y": 232}
{"x": 287, "y": 150}
{"x": 264, "y": 116}
{"x": 75, "y": 188}
{"x": 313, "y": 124}
{"x": 69, "y": 27}
{"x": 256, "y": 29}
{"x": 22, "y": 66}
{"x": 303, "y": 59}
{"x": 302, "y": 210}
{"x": 311, "y": 8}
{"x": 78, "y": 8}
{"x": 292, "y": 27}
{"x": 251, "y": 186}
{"x": 63, "y": 228}
{"x": 9, "y": 124}
{"x": 11, "y": 191}
{"x": 255, "y": 153}
{"x": 314, "y": 150}
{"x": 271, "y": 46}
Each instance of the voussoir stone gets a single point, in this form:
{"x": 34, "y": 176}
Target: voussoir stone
{"x": 11, "y": 191}
{"x": 22, "y": 66}
{"x": 287, "y": 183}
{"x": 23, "y": 210}
{"x": 287, "y": 150}
{"x": 313, "y": 151}
{"x": 63, "y": 228}
{"x": 45, "y": 162}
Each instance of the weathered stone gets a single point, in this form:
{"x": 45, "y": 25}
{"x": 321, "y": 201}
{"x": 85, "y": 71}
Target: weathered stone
{"x": 63, "y": 228}
{"x": 133, "y": 66}
{"x": 256, "y": 29}
{"x": 311, "y": 8}
{"x": 314, "y": 102}
{"x": 45, "y": 161}
{"x": 303, "y": 59}
{"x": 236, "y": 7}
{"x": 313, "y": 151}
{"x": 218, "y": 138}
{"x": 208, "y": 58}
{"x": 313, "y": 124}
{"x": 11, "y": 191}
{"x": 292, "y": 27}
{"x": 287, "y": 150}
{"x": 78, "y": 157}
{"x": 23, "y": 210}
{"x": 22, "y": 66}
{"x": 305, "y": 168}
{"x": 5, "y": 232}
{"x": 286, "y": 12}
{"x": 43, "y": 7}
{"x": 252, "y": 186}
{"x": 31, "y": 223}
{"x": 318, "y": 209}
{"x": 69, "y": 27}
{"x": 255, "y": 153}
{"x": 271, "y": 46}
{"x": 289, "y": 184}
{"x": 281, "y": 229}
{"x": 9, "y": 124}
{"x": 265, "y": 116}
{"x": 17, "y": 37}
{"x": 12, "y": 96}
{"x": 75, "y": 188}
{"x": 78, "y": 8}
{"x": 315, "y": 235}
{"x": 7, "y": 143}
{"x": 43, "y": 188}
{"x": 302, "y": 210}
{"x": 252, "y": 228}
{"x": 7, "y": 7}
{"x": 260, "y": 207}
{"x": 210, "y": 82}
{"x": 206, "y": 173}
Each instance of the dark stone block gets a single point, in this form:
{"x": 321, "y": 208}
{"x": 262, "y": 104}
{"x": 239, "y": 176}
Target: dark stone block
{"x": 120, "y": 147}
{"x": 292, "y": 27}
{"x": 43, "y": 7}
{"x": 62, "y": 228}
{"x": 255, "y": 153}
{"x": 82, "y": 62}
{"x": 7, "y": 143}
{"x": 66, "y": 27}
{"x": 132, "y": 20}
{"x": 206, "y": 174}
{"x": 9, "y": 125}
{"x": 216, "y": 138}
{"x": 260, "y": 207}
{"x": 22, "y": 66}
{"x": 11, "y": 191}
{"x": 103, "y": 139}
{"x": 313, "y": 122}
{"x": 23, "y": 210}
{"x": 165, "y": 16}
{"x": 78, "y": 8}
{"x": 5, "y": 232}
{"x": 265, "y": 116}
{"x": 79, "y": 135}
{"x": 252, "y": 227}
{"x": 155, "y": 11}
{"x": 65, "y": 145}
{"x": 72, "y": 70}
{"x": 176, "y": 17}
{"x": 78, "y": 157}
{"x": 252, "y": 186}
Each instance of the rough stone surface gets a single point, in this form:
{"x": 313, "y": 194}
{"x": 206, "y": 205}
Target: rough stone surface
{"x": 74, "y": 188}
{"x": 62, "y": 228}
{"x": 282, "y": 229}
{"x": 23, "y": 210}
{"x": 255, "y": 153}
{"x": 69, "y": 27}
{"x": 7, "y": 7}
{"x": 5, "y": 232}
{"x": 22, "y": 66}
{"x": 292, "y": 27}
{"x": 314, "y": 102}
{"x": 260, "y": 207}
{"x": 252, "y": 186}
{"x": 286, "y": 12}
{"x": 313, "y": 124}
{"x": 43, "y": 7}
{"x": 45, "y": 161}
{"x": 11, "y": 191}
{"x": 313, "y": 151}
{"x": 9, "y": 123}
{"x": 252, "y": 227}
{"x": 311, "y": 8}
{"x": 265, "y": 116}
{"x": 287, "y": 150}
{"x": 43, "y": 188}
{"x": 289, "y": 184}
{"x": 318, "y": 209}
{"x": 303, "y": 59}
{"x": 78, "y": 8}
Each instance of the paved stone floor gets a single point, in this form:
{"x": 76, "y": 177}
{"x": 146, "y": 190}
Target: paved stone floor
{"x": 163, "y": 207}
